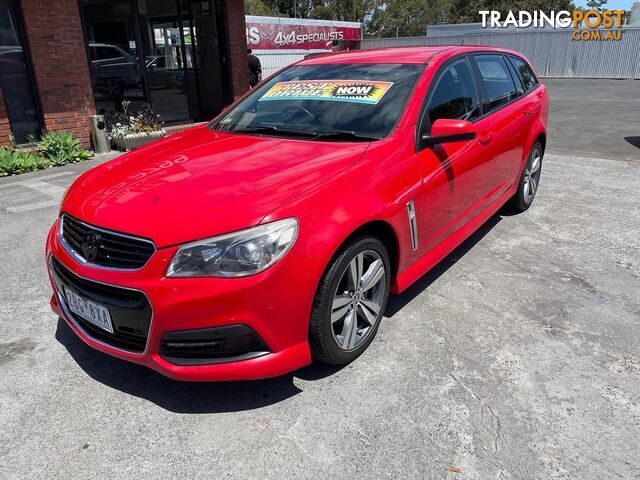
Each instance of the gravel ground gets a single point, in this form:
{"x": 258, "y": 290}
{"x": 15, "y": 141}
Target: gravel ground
{"x": 516, "y": 358}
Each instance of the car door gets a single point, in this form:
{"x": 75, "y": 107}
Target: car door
{"x": 531, "y": 104}
{"x": 505, "y": 119}
{"x": 454, "y": 174}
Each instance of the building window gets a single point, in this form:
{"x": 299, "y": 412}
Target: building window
{"x": 164, "y": 53}
{"x": 16, "y": 79}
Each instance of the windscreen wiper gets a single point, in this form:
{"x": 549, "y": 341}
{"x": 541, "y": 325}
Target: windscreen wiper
{"x": 346, "y": 135}
{"x": 273, "y": 130}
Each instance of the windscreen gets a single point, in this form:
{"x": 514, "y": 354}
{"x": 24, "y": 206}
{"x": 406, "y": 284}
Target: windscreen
{"x": 335, "y": 101}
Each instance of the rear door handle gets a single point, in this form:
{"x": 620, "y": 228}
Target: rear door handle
{"x": 485, "y": 138}
{"x": 527, "y": 113}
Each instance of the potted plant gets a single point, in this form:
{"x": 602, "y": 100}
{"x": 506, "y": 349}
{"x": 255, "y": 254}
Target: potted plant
{"x": 133, "y": 130}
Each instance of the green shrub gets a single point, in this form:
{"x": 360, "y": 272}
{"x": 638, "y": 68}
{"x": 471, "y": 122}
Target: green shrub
{"x": 83, "y": 155}
{"x": 29, "y": 161}
{"x": 56, "y": 149}
{"x": 13, "y": 162}
{"x": 61, "y": 148}
{"x": 58, "y": 160}
{"x": 40, "y": 162}
{"x": 8, "y": 162}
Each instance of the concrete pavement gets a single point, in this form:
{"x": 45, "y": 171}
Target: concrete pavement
{"x": 516, "y": 358}
{"x": 595, "y": 118}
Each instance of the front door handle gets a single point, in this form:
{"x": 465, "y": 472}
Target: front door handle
{"x": 485, "y": 138}
{"x": 527, "y": 113}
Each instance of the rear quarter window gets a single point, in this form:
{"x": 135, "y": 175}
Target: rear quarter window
{"x": 529, "y": 80}
{"x": 107, "y": 53}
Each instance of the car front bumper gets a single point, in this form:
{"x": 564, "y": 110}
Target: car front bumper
{"x": 261, "y": 320}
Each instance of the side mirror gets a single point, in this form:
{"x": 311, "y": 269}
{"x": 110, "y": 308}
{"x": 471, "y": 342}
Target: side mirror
{"x": 445, "y": 130}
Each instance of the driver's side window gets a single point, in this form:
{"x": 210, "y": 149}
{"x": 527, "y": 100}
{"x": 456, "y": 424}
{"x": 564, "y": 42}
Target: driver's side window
{"x": 454, "y": 95}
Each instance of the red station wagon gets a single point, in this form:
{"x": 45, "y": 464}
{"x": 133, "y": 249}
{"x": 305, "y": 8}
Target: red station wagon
{"x": 245, "y": 248}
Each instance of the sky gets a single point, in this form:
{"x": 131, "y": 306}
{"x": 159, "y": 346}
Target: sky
{"x": 611, "y": 4}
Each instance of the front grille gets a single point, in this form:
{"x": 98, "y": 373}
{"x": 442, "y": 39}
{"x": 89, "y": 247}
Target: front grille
{"x": 130, "y": 310}
{"x": 105, "y": 248}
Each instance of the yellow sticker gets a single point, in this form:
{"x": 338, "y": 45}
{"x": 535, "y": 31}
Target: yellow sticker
{"x": 359, "y": 91}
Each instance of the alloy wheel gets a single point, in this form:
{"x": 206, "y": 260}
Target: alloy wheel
{"x": 357, "y": 301}
{"x": 532, "y": 175}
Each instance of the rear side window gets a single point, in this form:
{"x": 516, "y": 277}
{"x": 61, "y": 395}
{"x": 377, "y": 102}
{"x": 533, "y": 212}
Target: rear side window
{"x": 106, "y": 53}
{"x": 498, "y": 84}
{"x": 526, "y": 74}
{"x": 455, "y": 94}
{"x": 516, "y": 79}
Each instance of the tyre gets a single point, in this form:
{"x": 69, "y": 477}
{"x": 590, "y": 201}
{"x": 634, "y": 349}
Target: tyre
{"x": 350, "y": 302}
{"x": 529, "y": 180}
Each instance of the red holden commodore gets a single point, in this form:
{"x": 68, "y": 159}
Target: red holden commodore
{"x": 272, "y": 236}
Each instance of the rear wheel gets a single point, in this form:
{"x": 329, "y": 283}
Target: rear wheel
{"x": 350, "y": 302}
{"x": 529, "y": 180}
{"x": 113, "y": 89}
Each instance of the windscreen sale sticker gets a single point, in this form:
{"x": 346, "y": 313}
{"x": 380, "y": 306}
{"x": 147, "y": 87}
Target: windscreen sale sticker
{"x": 358, "y": 91}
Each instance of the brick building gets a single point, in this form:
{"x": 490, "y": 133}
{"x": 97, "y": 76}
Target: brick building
{"x": 62, "y": 61}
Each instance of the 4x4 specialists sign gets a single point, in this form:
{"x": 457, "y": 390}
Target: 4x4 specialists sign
{"x": 273, "y": 33}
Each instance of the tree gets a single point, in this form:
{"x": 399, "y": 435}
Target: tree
{"x": 465, "y": 11}
{"x": 291, "y": 8}
{"x": 404, "y": 18}
{"x": 346, "y": 10}
{"x": 258, "y": 7}
{"x": 598, "y": 5}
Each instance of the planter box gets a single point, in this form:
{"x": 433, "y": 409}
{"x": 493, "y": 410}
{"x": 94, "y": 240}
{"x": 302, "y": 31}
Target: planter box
{"x": 134, "y": 140}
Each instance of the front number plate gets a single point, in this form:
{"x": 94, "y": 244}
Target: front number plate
{"x": 92, "y": 312}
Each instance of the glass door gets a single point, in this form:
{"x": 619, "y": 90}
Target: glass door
{"x": 184, "y": 62}
{"x": 167, "y": 53}
{"x": 114, "y": 50}
{"x": 165, "y": 65}
{"x": 16, "y": 78}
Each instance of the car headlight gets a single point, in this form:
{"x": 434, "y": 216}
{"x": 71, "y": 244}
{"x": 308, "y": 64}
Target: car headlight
{"x": 237, "y": 254}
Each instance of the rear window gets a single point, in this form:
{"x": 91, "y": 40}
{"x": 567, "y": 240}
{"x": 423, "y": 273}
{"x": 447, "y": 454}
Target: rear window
{"x": 498, "y": 84}
{"x": 525, "y": 73}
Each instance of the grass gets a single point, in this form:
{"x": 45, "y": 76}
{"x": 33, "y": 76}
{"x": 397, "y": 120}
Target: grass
{"x": 54, "y": 149}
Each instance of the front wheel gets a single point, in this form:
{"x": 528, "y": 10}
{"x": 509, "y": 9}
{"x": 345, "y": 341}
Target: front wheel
{"x": 350, "y": 302}
{"x": 529, "y": 180}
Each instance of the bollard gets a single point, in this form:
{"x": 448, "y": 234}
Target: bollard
{"x": 99, "y": 138}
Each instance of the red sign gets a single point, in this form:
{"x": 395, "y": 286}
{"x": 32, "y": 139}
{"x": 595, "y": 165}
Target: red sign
{"x": 266, "y": 33}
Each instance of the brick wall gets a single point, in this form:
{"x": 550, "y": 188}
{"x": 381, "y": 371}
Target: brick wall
{"x": 237, "y": 42}
{"x": 5, "y": 128}
{"x": 56, "y": 42}
{"x": 54, "y": 34}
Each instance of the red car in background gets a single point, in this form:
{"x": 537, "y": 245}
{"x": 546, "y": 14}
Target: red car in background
{"x": 247, "y": 247}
